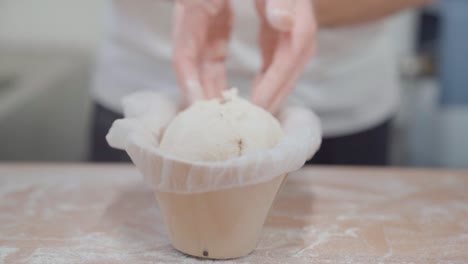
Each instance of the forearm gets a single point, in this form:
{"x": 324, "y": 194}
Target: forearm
{"x": 336, "y": 13}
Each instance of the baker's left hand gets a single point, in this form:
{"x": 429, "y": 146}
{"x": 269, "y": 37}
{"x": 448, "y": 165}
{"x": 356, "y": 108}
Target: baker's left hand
{"x": 201, "y": 35}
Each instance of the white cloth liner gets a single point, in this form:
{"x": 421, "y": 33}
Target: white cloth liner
{"x": 148, "y": 113}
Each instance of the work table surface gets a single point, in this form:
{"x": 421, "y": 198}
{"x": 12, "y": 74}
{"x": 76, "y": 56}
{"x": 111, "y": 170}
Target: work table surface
{"x": 105, "y": 214}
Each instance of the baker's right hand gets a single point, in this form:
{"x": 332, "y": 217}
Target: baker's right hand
{"x": 201, "y": 34}
{"x": 287, "y": 41}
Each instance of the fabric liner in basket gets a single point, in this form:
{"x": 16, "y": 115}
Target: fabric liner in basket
{"x": 148, "y": 113}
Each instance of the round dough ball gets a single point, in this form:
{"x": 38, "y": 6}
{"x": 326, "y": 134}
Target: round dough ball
{"x": 220, "y": 129}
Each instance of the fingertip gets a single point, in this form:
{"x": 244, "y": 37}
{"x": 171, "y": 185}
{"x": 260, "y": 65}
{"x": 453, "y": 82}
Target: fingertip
{"x": 194, "y": 90}
{"x": 214, "y": 7}
{"x": 280, "y": 19}
{"x": 258, "y": 100}
{"x": 280, "y": 14}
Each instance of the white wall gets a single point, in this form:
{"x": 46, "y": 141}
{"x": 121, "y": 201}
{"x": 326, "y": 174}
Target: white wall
{"x": 68, "y": 23}
{"x": 55, "y": 103}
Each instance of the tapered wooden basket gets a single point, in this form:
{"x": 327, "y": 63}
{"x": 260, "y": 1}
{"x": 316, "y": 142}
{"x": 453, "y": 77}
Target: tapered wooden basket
{"x": 219, "y": 224}
{"x": 212, "y": 209}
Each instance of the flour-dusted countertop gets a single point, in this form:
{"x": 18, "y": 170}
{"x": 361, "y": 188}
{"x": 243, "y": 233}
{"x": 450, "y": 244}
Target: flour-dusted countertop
{"x": 105, "y": 214}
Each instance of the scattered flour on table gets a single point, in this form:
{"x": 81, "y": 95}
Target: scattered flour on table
{"x": 5, "y": 252}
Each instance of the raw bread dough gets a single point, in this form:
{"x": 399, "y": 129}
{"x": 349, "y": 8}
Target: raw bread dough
{"x": 220, "y": 129}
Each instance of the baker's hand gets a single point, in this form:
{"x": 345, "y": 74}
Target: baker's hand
{"x": 201, "y": 34}
{"x": 287, "y": 41}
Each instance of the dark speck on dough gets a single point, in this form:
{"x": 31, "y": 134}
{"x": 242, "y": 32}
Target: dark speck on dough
{"x": 224, "y": 101}
{"x": 240, "y": 145}
{"x": 205, "y": 253}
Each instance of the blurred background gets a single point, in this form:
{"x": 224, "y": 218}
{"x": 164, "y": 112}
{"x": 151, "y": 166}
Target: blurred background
{"x": 47, "y": 53}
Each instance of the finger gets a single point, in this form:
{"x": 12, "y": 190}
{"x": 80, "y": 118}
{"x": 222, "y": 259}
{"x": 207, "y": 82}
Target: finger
{"x": 268, "y": 36}
{"x": 282, "y": 93}
{"x": 279, "y": 96}
{"x": 281, "y": 13}
{"x": 276, "y": 74}
{"x": 305, "y": 28}
{"x": 211, "y": 6}
{"x": 293, "y": 51}
{"x": 191, "y": 25}
{"x": 303, "y": 44}
{"x": 215, "y": 6}
{"x": 268, "y": 39}
{"x": 214, "y": 78}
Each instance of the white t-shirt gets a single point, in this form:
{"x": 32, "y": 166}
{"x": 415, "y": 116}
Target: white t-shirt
{"x": 352, "y": 82}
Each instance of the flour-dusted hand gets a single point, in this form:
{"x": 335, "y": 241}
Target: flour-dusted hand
{"x": 201, "y": 34}
{"x": 287, "y": 41}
